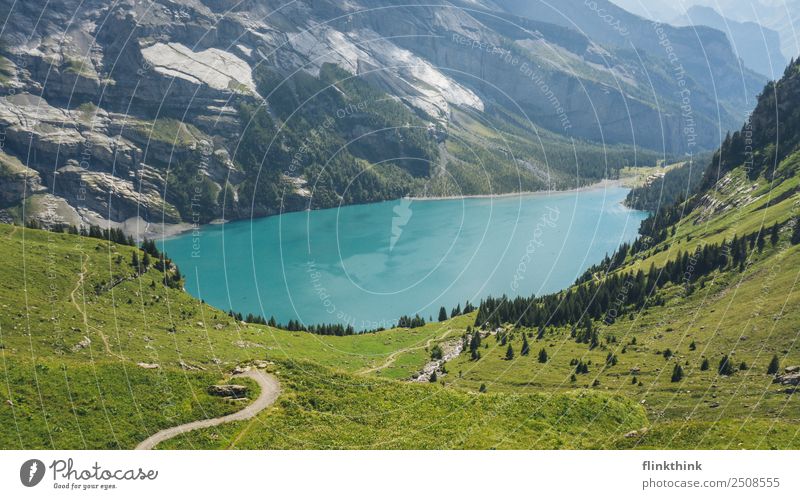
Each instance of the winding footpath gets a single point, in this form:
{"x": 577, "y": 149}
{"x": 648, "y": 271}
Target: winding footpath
{"x": 270, "y": 389}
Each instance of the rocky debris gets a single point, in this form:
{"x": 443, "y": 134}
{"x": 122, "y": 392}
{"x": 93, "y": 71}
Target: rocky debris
{"x": 145, "y": 365}
{"x": 233, "y": 391}
{"x": 713, "y": 405}
{"x": 9, "y": 402}
{"x": 263, "y": 364}
{"x": 635, "y": 370}
{"x": 84, "y": 343}
{"x": 792, "y": 369}
{"x": 789, "y": 378}
{"x": 636, "y": 433}
{"x": 218, "y": 326}
{"x": 241, "y": 369}
{"x": 247, "y": 344}
{"x": 190, "y": 367}
{"x": 450, "y": 350}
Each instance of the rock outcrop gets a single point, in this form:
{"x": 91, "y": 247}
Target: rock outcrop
{"x": 234, "y": 391}
{"x": 118, "y": 105}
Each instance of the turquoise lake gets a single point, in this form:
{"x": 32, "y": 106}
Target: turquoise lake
{"x": 367, "y": 265}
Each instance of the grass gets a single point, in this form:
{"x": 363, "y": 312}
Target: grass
{"x": 325, "y": 409}
{"x": 350, "y": 392}
{"x": 167, "y": 130}
{"x": 67, "y": 393}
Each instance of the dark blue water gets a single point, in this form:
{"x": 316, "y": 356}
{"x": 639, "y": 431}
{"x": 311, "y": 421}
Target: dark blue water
{"x": 367, "y": 265}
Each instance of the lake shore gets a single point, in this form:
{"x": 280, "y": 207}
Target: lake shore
{"x": 167, "y": 231}
{"x": 603, "y": 184}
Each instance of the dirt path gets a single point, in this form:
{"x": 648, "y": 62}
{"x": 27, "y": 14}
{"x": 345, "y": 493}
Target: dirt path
{"x": 270, "y": 389}
{"x": 82, "y": 309}
{"x": 393, "y": 356}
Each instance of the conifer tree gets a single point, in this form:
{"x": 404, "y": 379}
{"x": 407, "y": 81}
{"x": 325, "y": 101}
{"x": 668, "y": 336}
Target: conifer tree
{"x": 526, "y": 349}
{"x": 677, "y": 373}
{"x": 442, "y": 314}
{"x": 774, "y": 365}
{"x": 774, "y": 234}
{"x": 542, "y": 356}
{"x": 725, "y": 368}
{"x": 509, "y": 352}
{"x": 796, "y": 231}
{"x": 704, "y": 365}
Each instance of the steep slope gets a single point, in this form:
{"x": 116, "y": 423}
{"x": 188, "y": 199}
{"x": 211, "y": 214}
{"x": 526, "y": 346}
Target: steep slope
{"x": 149, "y": 113}
{"x": 698, "y": 318}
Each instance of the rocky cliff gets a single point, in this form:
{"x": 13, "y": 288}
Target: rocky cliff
{"x": 172, "y": 111}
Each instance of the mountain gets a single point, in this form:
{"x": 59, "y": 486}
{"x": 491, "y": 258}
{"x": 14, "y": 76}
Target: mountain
{"x": 156, "y": 116}
{"x": 780, "y": 16}
{"x": 759, "y": 47}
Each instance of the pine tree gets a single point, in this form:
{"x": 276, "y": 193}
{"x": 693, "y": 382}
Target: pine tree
{"x": 774, "y": 234}
{"x": 474, "y": 343}
{"x": 442, "y": 314}
{"x": 704, "y": 365}
{"x": 433, "y": 377}
{"x": 526, "y": 349}
{"x": 509, "y": 352}
{"x": 677, "y": 373}
{"x": 692, "y": 346}
{"x": 774, "y": 365}
{"x": 135, "y": 260}
{"x": 796, "y": 231}
{"x": 542, "y": 356}
{"x": 725, "y": 368}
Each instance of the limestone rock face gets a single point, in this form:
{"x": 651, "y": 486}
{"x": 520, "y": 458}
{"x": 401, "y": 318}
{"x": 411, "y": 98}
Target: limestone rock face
{"x": 106, "y": 101}
{"x": 17, "y": 181}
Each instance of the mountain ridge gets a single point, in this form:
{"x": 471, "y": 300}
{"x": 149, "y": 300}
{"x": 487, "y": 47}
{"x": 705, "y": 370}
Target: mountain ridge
{"x": 146, "y": 96}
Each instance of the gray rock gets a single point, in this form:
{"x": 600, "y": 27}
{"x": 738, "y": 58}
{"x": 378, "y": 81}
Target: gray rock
{"x": 235, "y": 391}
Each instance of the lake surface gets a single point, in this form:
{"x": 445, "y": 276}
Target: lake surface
{"x": 367, "y": 265}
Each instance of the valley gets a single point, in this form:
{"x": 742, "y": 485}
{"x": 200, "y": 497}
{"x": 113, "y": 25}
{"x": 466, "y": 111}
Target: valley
{"x": 359, "y": 225}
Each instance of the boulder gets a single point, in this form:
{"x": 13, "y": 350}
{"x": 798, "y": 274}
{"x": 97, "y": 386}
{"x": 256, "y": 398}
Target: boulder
{"x": 235, "y": 391}
{"x": 792, "y": 379}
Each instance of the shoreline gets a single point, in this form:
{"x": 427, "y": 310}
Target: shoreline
{"x": 169, "y": 231}
{"x": 602, "y": 184}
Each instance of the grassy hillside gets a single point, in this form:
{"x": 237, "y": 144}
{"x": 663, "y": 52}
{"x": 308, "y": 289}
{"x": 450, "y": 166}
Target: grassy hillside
{"x": 77, "y": 320}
